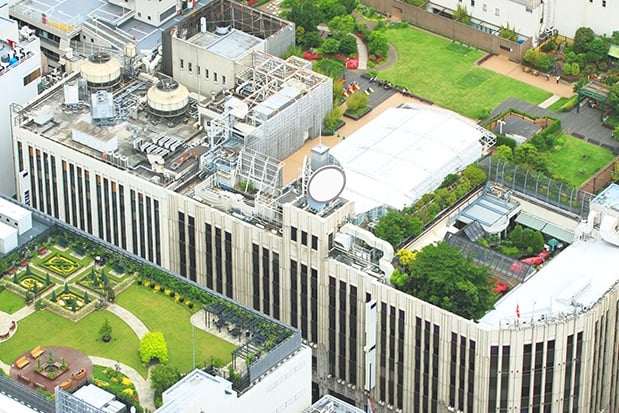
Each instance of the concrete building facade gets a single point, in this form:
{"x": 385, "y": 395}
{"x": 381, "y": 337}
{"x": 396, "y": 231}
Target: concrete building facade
{"x": 20, "y": 74}
{"x": 274, "y": 249}
{"x": 531, "y": 17}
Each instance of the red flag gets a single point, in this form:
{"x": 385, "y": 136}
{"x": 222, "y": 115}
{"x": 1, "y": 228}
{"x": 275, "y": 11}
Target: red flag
{"x": 518, "y": 310}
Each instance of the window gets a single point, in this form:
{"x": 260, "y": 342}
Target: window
{"x": 303, "y": 237}
{"x": 206, "y": 73}
{"x": 189, "y": 66}
{"x": 497, "y": 12}
{"x": 148, "y": 17}
{"x": 198, "y": 69}
{"x": 32, "y": 76}
{"x": 182, "y": 64}
{"x": 214, "y": 77}
{"x": 293, "y": 233}
{"x": 603, "y": 3}
{"x": 314, "y": 242}
{"x": 472, "y": 3}
{"x": 223, "y": 79}
{"x": 485, "y": 7}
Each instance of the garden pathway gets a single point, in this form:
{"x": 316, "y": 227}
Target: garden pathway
{"x": 549, "y": 101}
{"x": 5, "y": 367}
{"x": 127, "y": 316}
{"x": 145, "y": 392}
{"x": 362, "y": 54}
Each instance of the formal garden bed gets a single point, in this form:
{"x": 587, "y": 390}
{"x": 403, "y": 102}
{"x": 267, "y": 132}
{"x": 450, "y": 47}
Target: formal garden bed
{"x": 99, "y": 280}
{"x": 115, "y": 382}
{"x": 70, "y": 299}
{"x": 60, "y": 263}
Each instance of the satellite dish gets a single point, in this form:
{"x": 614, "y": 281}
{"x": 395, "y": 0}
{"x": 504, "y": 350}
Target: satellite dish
{"x": 326, "y": 184}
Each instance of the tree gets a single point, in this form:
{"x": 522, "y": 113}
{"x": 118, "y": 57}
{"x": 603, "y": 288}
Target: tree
{"x": 613, "y": 96}
{"x": 597, "y": 50}
{"x": 348, "y": 46}
{"x": 153, "y": 346}
{"x": 48, "y": 281}
{"x": 357, "y": 101}
{"x": 544, "y": 61}
{"x": 312, "y": 40}
{"x": 330, "y": 46}
{"x": 305, "y": 13}
{"x": 516, "y": 235}
{"x": 332, "y": 8}
{"x": 349, "y": 5}
{"x": 508, "y": 33}
{"x": 341, "y": 25}
{"x": 333, "y": 119}
{"x": 105, "y": 332}
{"x": 66, "y": 288}
{"x": 378, "y": 45}
{"x": 329, "y": 67}
{"x": 582, "y": 38}
{"x": 162, "y": 377}
{"x": 462, "y": 15}
{"x": 474, "y": 174}
{"x": 443, "y": 276}
{"x": 504, "y": 152}
{"x": 394, "y": 226}
{"x": 567, "y": 69}
{"x": 531, "y": 55}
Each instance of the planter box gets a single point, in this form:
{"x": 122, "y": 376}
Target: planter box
{"x": 359, "y": 115}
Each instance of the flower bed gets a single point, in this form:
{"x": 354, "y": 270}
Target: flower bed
{"x": 71, "y": 301}
{"x": 61, "y": 265}
{"x": 97, "y": 281}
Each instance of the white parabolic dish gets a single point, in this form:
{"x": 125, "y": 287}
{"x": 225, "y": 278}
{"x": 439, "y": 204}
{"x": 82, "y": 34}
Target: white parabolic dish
{"x": 326, "y": 184}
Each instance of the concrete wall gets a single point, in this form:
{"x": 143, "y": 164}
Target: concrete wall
{"x": 451, "y": 29}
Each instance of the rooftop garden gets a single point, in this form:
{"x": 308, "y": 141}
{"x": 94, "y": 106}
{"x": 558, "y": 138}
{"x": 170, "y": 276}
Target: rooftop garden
{"x": 553, "y": 153}
{"x": 76, "y": 278}
{"x": 445, "y": 72}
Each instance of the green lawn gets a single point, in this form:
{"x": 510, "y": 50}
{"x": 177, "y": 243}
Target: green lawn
{"x": 577, "y": 160}
{"x": 557, "y": 105}
{"x": 45, "y": 328}
{"x": 160, "y": 313}
{"x": 10, "y": 302}
{"x": 445, "y": 72}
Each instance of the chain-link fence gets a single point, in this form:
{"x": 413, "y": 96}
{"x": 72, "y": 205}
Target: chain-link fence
{"x": 537, "y": 186}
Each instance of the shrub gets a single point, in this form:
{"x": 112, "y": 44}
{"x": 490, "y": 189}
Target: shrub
{"x": 153, "y": 346}
{"x": 357, "y": 101}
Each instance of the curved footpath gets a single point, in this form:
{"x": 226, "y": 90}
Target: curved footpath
{"x": 132, "y": 321}
{"x": 142, "y": 387}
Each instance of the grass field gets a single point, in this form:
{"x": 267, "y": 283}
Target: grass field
{"x": 44, "y": 328}
{"x": 10, "y": 302}
{"x": 445, "y": 72}
{"x": 160, "y": 313}
{"x": 557, "y": 105}
{"x": 577, "y": 160}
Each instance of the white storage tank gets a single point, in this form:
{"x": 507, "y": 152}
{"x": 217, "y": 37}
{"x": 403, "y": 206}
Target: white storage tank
{"x": 167, "y": 98}
{"x": 101, "y": 70}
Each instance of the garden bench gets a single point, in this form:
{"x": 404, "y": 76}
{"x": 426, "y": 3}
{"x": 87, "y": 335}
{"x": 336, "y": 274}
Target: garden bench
{"x": 37, "y": 351}
{"x": 22, "y": 362}
{"x": 65, "y": 385}
{"x": 39, "y": 385}
{"x": 24, "y": 378}
{"x": 80, "y": 374}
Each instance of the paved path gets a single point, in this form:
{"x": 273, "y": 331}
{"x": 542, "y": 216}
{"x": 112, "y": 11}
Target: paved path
{"x": 145, "y": 392}
{"x": 549, "y": 101}
{"x": 135, "y": 323}
{"x": 362, "y": 54}
{"x": 504, "y": 66}
{"x": 5, "y": 367}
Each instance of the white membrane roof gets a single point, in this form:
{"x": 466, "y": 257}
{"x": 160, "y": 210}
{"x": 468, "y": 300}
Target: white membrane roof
{"x": 405, "y": 153}
{"x": 572, "y": 281}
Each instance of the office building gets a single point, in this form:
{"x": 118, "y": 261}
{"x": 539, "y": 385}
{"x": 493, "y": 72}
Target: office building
{"x": 196, "y": 186}
{"x": 20, "y": 73}
{"x": 531, "y": 18}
